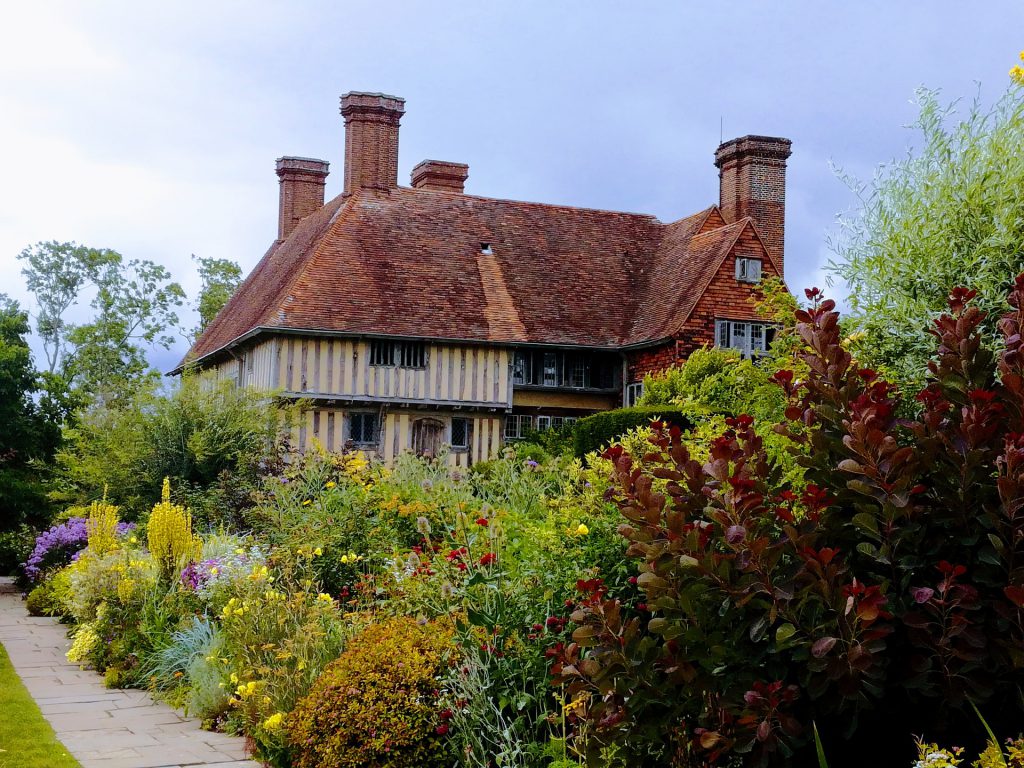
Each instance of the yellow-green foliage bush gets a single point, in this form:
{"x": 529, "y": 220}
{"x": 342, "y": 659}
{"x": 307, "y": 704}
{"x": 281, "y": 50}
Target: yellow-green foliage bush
{"x": 52, "y": 597}
{"x": 101, "y": 527}
{"x": 171, "y": 541}
{"x": 376, "y": 705}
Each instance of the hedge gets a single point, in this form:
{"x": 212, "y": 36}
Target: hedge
{"x": 592, "y": 432}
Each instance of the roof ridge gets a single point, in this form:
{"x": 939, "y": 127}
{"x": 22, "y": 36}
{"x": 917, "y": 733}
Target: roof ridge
{"x": 463, "y": 195}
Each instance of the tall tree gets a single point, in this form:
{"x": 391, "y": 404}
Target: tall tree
{"x": 220, "y": 279}
{"x": 134, "y": 308}
{"x": 26, "y": 435}
{"x": 57, "y": 274}
{"x": 950, "y": 213}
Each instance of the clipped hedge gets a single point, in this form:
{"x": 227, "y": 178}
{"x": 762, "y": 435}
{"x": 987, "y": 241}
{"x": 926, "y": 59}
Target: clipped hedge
{"x": 593, "y": 432}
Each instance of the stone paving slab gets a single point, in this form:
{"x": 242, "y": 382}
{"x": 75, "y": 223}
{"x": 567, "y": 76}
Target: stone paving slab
{"x": 104, "y": 728}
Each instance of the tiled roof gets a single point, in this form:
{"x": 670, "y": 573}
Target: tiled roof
{"x": 409, "y": 262}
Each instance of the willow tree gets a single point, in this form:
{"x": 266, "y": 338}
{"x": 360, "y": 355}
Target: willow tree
{"x": 949, "y": 213}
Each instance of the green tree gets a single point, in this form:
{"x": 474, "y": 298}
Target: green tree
{"x": 950, "y": 213}
{"x": 27, "y": 438}
{"x": 134, "y": 307}
{"x": 220, "y": 279}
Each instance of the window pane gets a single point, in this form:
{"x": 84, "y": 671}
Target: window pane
{"x": 460, "y": 433}
{"x": 382, "y": 353}
{"x": 522, "y": 370}
{"x": 550, "y": 369}
{"x": 723, "y": 334}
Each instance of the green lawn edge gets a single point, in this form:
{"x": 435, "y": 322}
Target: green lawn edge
{"x": 26, "y": 739}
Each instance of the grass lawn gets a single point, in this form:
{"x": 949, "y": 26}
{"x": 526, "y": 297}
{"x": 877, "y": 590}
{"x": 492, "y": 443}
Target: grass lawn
{"x": 26, "y": 739}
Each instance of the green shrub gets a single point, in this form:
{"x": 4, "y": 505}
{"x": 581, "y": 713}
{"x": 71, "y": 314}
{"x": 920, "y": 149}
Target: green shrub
{"x": 51, "y": 597}
{"x": 593, "y": 432}
{"x": 376, "y": 705}
{"x": 15, "y": 547}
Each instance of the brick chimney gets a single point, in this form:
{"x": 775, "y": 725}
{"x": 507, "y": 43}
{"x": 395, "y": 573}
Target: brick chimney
{"x": 371, "y": 140}
{"x": 440, "y": 175}
{"x": 302, "y": 191}
{"x": 752, "y": 182}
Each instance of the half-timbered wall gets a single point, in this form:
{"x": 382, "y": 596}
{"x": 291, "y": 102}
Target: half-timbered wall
{"x": 329, "y": 428}
{"x": 341, "y": 367}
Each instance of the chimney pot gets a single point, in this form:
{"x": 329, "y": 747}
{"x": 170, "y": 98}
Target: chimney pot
{"x": 440, "y": 175}
{"x": 752, "y": 182}
{"x": 371, "y": 139}
{"x": 301, "y": 192}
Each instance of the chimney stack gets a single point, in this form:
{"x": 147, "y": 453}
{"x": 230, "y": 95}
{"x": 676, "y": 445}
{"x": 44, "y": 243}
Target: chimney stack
{"x": 752, "y": 182}
{"x": 302, "y": 191}
{"x": 371, "y": 140}
{"x": 440, "y": 175}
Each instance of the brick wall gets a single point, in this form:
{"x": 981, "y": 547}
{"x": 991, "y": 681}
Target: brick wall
{"x": 725, "y": 297}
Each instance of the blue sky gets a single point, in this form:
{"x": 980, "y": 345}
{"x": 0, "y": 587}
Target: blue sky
{"x": 153, "y": 130}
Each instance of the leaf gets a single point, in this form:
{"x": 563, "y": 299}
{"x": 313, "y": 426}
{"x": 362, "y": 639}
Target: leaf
{"x": 819, "y": 748}
{"x": 1015, "y": 594}
{"x": 758, "y": 628}
{"x": 866, "y": 522}
{"x": 655, "y": 626}
{"x": 822, "y": 646}
{"x": 784, "y": 633}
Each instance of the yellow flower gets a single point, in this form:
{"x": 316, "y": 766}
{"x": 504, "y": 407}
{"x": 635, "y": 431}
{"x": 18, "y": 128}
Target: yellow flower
{"x": 330, "y": 484}
{"x": 214, "y": 571}
{"x": 306, "y": 503}
{"x": 239, "y": 551}
{"x": 317, "y": 552}
{"x": 325, "y": 597}
{"x": 344, "y": 559}
{"x": 274, "y": 721}
{"x": 582, "y": 530}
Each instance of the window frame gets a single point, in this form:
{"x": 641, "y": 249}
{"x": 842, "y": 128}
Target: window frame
{"x": 467, "y": 427}
{"x": 634, "y": 391}
{"x": 390, "y": 353}
{"x": 362, "y": 415}
{"x": 726, "y": 332}
{"x": 519, "y": 419}
{"x": 748, "y": 269}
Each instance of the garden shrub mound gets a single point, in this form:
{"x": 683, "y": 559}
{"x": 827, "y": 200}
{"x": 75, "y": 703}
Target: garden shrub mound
{"x": 600, "y": 430}
{"x": 377, "y": 704}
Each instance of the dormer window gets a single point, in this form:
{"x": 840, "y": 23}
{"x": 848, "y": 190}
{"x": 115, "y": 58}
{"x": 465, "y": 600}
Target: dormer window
{"x": 486, "y": 250}
{"x": 748, "y": 270}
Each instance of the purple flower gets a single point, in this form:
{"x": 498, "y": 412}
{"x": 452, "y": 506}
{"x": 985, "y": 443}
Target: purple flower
{"x": 60, "y": 545}
{"x": 531, "y": 464}
{"x": 922, "y": 594}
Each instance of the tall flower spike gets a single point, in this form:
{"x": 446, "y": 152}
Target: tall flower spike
{"x": 165, "y": 495}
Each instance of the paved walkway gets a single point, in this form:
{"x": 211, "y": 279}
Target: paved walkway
{"x": 104, "y": 728}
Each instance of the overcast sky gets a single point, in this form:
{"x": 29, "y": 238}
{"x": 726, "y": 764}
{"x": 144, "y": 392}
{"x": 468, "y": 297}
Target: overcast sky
{"x": 152, "y": 128}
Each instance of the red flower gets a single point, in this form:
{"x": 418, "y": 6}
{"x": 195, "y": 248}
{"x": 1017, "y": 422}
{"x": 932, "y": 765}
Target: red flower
{"x": 489, "y": 558}
{"x": 442, "y": 729}
{"x": 482, "y": 522}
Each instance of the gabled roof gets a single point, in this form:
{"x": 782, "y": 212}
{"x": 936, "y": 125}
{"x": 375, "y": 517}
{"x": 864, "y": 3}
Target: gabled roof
{"x": 410, "y": 262}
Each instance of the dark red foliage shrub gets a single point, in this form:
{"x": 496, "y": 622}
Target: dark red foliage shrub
{"x": 877, "y": 602}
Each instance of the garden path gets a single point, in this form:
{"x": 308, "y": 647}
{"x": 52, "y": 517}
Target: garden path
{"x": 99, "y": 726}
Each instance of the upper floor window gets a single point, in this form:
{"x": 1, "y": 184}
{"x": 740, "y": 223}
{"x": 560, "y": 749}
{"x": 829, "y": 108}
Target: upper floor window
{"x": 404, "y": 354}
{"x": 748, "y": 270}
{"x": 749, "y": 339}
{"x": 634, "y": 392}
{"x": 460, "y": 434}
{"x": 364, "y": 428}
{"x": 568, "y": 369}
